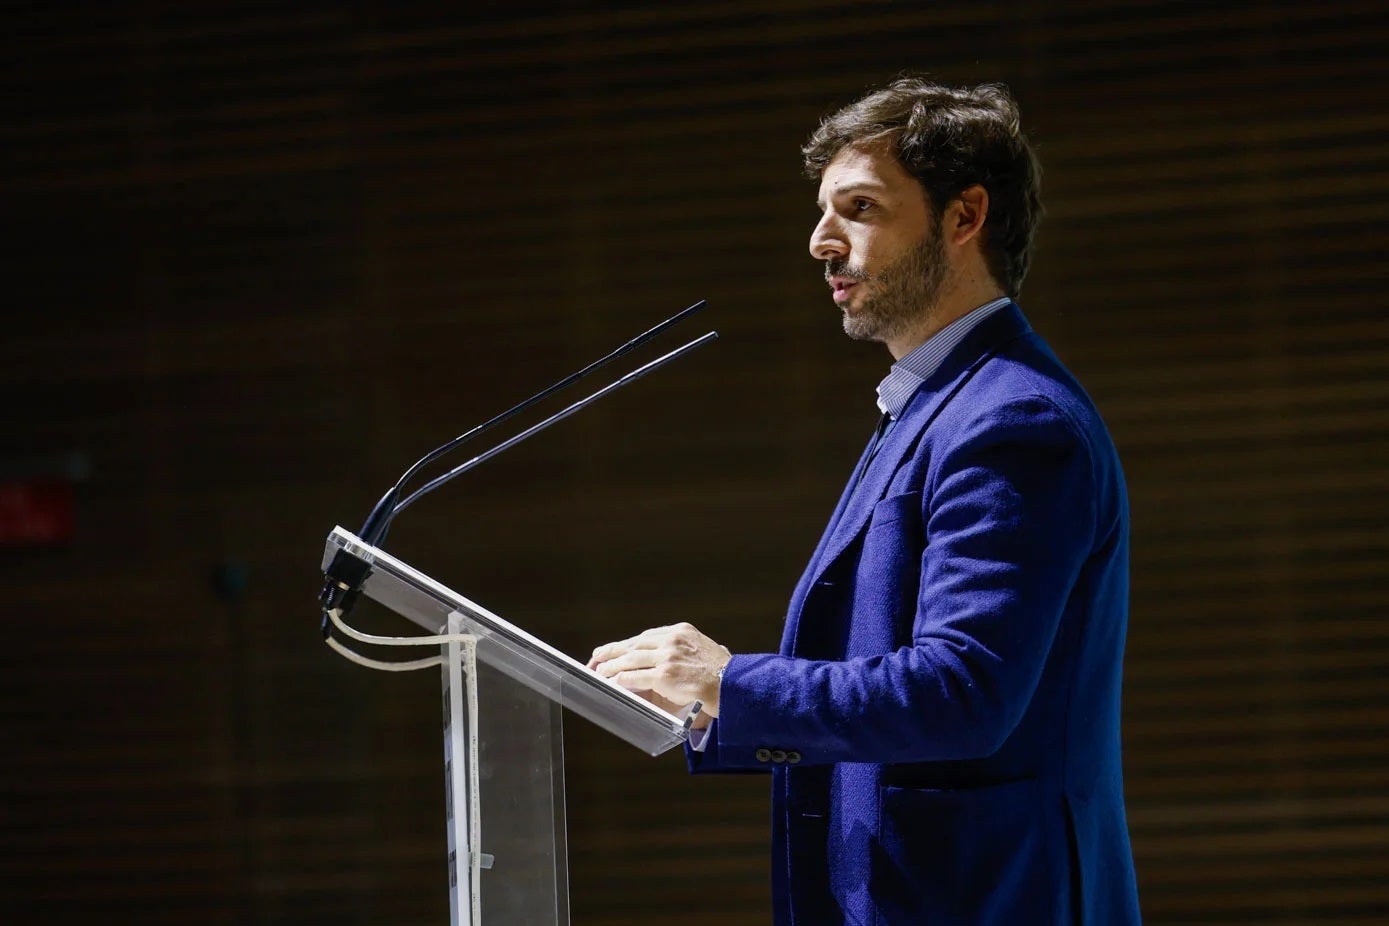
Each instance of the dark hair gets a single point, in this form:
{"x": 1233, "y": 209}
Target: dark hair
{"x": 949, "y": 139}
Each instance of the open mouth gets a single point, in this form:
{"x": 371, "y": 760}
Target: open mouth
{"x": 842, "y": 289}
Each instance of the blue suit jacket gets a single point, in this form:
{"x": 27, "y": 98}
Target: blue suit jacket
{"x": 942, "y": 720}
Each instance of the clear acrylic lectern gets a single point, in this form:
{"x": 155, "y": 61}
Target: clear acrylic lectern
{"x": 503, "y": 744}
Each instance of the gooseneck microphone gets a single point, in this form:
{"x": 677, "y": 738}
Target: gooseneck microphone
{"x": 483, "y": 457}
{"x": 345, "y": 573}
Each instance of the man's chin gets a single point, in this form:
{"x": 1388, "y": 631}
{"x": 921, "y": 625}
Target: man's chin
{"x": 862, "y": 327}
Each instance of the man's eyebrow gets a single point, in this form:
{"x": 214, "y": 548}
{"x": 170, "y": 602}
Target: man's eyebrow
{"x": 857, "y": 186}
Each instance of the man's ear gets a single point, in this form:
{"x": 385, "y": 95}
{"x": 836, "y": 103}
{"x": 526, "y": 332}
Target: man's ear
{"x": 964, "y": 217}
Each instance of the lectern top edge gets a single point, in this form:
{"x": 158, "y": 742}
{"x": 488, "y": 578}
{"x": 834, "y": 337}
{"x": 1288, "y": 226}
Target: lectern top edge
{"x": 516, "y": 652}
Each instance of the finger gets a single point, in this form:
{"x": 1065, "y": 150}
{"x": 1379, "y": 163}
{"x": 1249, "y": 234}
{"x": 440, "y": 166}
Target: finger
{"x": 609, "y": 650}
{"x": 638, "y": 679}
{"x": 647, "y": 639}
{"x": 632, "y": 659}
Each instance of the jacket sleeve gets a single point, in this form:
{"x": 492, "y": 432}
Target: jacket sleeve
{"x": 706, "y": 761}
{"x": 1009, "y": 520}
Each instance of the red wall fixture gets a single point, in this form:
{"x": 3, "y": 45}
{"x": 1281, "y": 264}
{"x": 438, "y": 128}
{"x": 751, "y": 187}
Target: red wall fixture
{"x": 36, "y": 512}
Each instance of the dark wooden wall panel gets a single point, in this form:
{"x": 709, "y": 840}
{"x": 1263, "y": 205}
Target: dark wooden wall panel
{"x": 265, "y": 254}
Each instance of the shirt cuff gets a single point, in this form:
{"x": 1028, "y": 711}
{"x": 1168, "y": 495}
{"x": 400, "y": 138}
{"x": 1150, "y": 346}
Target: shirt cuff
{"x": 699, "y": 738}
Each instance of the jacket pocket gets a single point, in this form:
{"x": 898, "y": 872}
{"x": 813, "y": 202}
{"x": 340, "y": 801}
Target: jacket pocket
{"x": 980, "y": 856}
{"x": 887, "y": 578}
{"x": 895, "y": 508}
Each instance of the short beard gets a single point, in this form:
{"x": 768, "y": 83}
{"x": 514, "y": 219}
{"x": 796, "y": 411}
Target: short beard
{"x": 907, "y": 292}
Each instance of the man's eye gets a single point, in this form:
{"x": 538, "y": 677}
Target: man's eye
{"x": 862, "y": 205}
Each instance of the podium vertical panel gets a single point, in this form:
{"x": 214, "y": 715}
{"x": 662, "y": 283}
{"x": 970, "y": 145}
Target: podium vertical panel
{"x": 504, "y": 766}
{"x": 522, "y": 804}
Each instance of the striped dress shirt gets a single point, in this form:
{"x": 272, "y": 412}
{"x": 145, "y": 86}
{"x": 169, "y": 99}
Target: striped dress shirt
{"x": 907, "y": 374}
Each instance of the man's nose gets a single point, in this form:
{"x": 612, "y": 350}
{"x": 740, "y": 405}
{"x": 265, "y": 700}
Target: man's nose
{"x": 827, "y": 240}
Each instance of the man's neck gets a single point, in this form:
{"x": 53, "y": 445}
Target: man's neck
{"x": 954, "y": 304}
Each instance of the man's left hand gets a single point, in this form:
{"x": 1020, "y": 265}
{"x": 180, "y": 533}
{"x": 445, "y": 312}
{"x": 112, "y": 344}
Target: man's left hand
{"x": 677, "y": 663}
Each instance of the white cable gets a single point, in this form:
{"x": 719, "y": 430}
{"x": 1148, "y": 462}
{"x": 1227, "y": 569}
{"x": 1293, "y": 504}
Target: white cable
{"x": 404, "y": 665}
{"x": 436, "y": 639}
{"x": 335, "y": 615}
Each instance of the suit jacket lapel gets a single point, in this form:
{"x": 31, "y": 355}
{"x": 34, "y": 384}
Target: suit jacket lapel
{"x": 1004, "y": 325}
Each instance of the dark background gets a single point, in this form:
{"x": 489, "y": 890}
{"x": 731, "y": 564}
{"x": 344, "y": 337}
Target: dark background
{"x": 263, "y": 255}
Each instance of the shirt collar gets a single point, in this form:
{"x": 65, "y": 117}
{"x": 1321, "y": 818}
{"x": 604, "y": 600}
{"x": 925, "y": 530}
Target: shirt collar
{"x": 907, "y": 374}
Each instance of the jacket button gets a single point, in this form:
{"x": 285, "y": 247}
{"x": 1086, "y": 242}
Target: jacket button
{"x": 792, "y": 757}
{"x": 778, "y": 755}
{"x": 763, "y": 754}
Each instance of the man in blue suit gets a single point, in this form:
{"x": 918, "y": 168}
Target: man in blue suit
{"x": 942, "y": 718}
